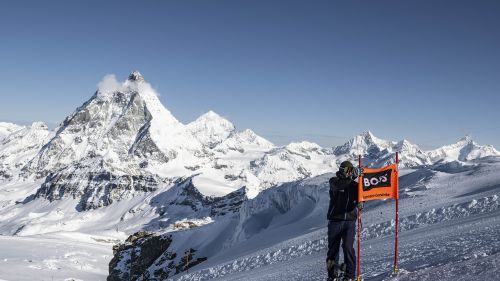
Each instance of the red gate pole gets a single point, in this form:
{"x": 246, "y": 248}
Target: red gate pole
{"x": 395, "y": 271}
{"x": 359, "y": 222}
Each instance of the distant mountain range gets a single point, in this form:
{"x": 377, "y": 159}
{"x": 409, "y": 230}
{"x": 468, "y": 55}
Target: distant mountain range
{"x": 123, "y": 140}
{"x": 122, "y": 163}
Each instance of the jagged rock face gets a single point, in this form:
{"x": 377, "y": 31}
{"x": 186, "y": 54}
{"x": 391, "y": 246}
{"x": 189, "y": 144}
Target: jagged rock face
{"x": 146, "y": 148}
{"x": 135, "y": 76}
{"x": 95, "y": 188}
{"x": 95, "y": 148}
{"x": 106, "y": 126}
{"x": 378, "y": 153}
{"x": 185, "y": 193}
{"x": 115, "y": 135}
{"x": 147, "y": 256}
{"x": 137, "y": 254}
{"x": 231, "y": 203}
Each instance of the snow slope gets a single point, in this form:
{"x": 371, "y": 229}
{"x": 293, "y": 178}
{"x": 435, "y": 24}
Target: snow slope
{"x": 449, "y": 222}
{"x": 122, "y": 163}
{"x": 19, "y": 147}
{"x": 53, "y": 258}
{"x": 280, "y": 234}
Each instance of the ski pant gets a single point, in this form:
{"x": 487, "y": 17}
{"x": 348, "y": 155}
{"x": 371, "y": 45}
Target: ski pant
{"x": 342, "y": 231}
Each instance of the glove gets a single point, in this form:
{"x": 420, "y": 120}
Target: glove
{"x": 357, "y": 172}
{"x": 361, "y": 205}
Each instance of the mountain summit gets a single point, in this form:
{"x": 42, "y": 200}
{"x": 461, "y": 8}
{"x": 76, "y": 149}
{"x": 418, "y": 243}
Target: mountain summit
{"x": 123, "y": 142}
{"x": 211, "y": 129}
{"x": 465, "y": 149}
{"x": 135, "y": 76}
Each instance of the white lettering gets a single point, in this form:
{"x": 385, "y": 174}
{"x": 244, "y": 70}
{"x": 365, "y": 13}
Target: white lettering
{"x": 366, "y": 181}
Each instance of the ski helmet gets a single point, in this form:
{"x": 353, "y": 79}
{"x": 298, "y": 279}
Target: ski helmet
{"x": 346, "y": 167}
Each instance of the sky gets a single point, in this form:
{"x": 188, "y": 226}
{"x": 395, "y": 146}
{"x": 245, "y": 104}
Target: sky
{"x": 323, "y": 71}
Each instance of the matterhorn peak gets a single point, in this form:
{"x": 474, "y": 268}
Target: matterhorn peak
{"x": 135, "y": 76}
{"x": 466, "y": 139}
{"x": 367, "y": 134}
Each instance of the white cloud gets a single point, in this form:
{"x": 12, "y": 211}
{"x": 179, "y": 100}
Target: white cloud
{"x": 109, "y": 84}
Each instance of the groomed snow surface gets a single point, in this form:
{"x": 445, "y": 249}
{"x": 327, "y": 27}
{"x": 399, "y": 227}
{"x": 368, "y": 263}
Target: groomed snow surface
{"x": 449, "y": 225}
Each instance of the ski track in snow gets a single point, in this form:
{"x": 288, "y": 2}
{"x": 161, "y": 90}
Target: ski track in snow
{"x": 454, "y": 250}
{"x": 461, "y": 245}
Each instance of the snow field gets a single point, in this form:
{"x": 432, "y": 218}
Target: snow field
{"x": 316, "y": 242}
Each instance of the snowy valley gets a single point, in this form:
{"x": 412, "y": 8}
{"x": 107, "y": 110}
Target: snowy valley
{"x": 122, "y": 190}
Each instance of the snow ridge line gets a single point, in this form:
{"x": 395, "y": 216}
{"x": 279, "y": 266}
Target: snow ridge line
{"x": 252, "y": 262}
{"x": 455, "y": 211}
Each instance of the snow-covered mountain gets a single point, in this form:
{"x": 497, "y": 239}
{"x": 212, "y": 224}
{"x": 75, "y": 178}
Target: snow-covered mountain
{"x": 20, "y": 146}
{"x": 210, "y": 129}
{"x": 378, "y": 152}
{"x": 465, "y": 149}
{"x": 123, "y": 141}
{"x": 7, "y": 129}
{"x": 281, "y": 233}
{"x": 121, "y": 163}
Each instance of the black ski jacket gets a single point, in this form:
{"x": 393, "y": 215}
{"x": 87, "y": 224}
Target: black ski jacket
{"x": 343, "y": 199}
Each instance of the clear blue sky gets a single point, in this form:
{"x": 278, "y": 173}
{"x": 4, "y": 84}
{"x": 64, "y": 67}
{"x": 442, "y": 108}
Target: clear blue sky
{"x": 428, "y": 71}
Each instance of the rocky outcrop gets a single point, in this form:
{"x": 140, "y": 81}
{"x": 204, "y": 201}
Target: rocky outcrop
{"x": 146, "y": 256}
{"x": 95, "y": 188}
{"x": 132, "y": 258}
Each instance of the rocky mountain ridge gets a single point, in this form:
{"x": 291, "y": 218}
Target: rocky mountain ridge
{"x": 123, "y": 141}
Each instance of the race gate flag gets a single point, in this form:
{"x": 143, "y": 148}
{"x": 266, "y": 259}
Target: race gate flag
{"x": 380, "y": 183}
{"x": 377, "y": 184}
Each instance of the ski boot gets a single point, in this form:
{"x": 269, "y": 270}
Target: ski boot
{"x": 338, "y": 271}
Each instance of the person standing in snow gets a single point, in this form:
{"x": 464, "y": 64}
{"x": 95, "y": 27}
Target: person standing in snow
{"x": 342, "y": 215}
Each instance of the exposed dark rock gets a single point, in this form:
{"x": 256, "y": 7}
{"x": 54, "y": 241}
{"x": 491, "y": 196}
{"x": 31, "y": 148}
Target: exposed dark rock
{"x": 95, "y": 189}
{"x": 132, "y": 258}
{"x": 146, "y": 256}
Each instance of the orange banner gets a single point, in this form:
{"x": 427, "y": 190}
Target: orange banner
{"x": 378, "y": 183}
